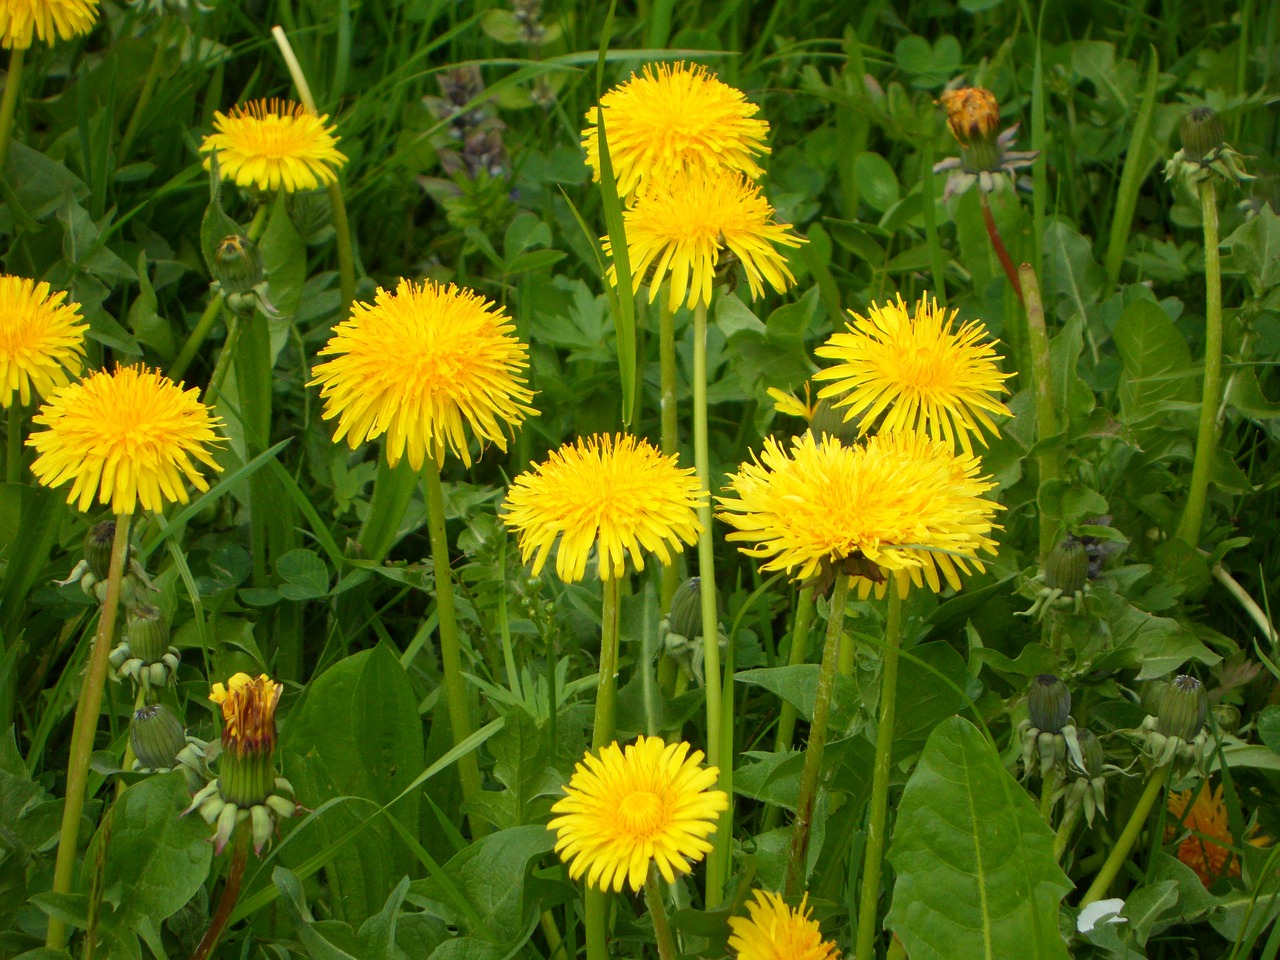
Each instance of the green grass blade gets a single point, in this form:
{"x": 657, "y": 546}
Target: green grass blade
{"x": 1136, "y": 164}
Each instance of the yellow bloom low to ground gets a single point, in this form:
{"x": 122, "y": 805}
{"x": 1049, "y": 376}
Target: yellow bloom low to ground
{"x": 617, "y": 492}
{"x": 650, "y": 803}
{"x": 274, "y": 144}
{"x": 774, "y": 931}
{"x": 901, "y": 502}
{"x": 41, "y": 340}
{"x": 132, "y": 436}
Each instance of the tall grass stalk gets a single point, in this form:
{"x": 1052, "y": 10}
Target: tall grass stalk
{"x": 1050, "y": 463}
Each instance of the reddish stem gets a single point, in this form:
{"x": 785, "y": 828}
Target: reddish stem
{"x": 230, "y": 894}
{"x": 998, "y": 245}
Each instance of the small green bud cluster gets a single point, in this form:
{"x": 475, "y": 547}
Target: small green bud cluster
{"x": 1047, "y": 734}
{"x": 1064, "y": 580}
{"x": 1204, "y": 153}
{"x": 1175, "y": 732}
{"x": 681, "y": 629}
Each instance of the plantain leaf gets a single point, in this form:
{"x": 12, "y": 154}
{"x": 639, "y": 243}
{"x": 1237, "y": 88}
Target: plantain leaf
{"x": 976, "y": 876}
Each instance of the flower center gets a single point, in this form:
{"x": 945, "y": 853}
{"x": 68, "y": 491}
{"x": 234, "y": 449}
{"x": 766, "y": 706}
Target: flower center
{"x": 640, "y": 812}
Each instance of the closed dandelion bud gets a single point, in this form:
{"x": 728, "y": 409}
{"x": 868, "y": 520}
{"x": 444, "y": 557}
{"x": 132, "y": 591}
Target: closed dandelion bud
{"x": 97, "y": 548}
{"x": 148, "y": 633}
{"x": 830, "y": 422}
{"x": 1183, "y": 709}
{"x": 686, "y": 609}
{"x": 1202, "y": 134}
{"x": 1048, "y": 703}
{"x": 238, "y": 263}
{"x": 246, "y": 771}
{"x": 1091, "y": 753}
{"x": 1153, "y": 696}
{"x": 156, "y": 736}
{"x": 1067, "y": 567}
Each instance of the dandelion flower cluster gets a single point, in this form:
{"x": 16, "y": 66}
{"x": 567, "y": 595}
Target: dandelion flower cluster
{"x": 23, "y": 20}
{"x": 618, "y": 492}
{"x": 425, "y": 365}
{"x": 129, "y": 437}
{"x": 916, "y": 372}
{"x": 1207, "y": 850}
{"x": 774, "y": 931}
{"x": 41, "y": 340}
{"x": 652, "y": 803}
{"x": 271, "y": 144}
{"x": 671, "y": 119}
{"x": 678, "y": 226}
{"x": 900, "y": 504}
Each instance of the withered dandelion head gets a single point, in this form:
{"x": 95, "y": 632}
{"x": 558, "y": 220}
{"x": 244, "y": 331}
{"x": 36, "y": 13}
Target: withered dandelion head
{"x": 41, "y": 340}
{"x": 21, "y": 21}
{"x": 270, "y": 144}
{"x": 674, "y": 118}
{"x": 899, "y": 505}
{"x": 972, "y": 113}
{"x": 425, "y": 365}
{"x": 917, "y": 372}
{"x": 131, "y": 436}
{"x": 617, "y": 492}
{"x": 650, "y": 803}
{"x": 774, "y": 931}
{"x": 248, "y": 712}
{"x": 680, "y": 227}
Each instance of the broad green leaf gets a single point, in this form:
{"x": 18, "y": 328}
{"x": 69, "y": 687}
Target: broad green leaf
{"x": 876, "y": 180}
{"x": 304, "y": 573}
{"x": 1157, "y": 362}
{"x": 324, "y": 940}
{"x": 358, "y": 733}
{"x": 1253, "y": 249}
{"x": 1269, "y": 726}
{"x": 1073, "y": 282}
{"x": 1157, "y": 645}
{"x": 976, "y": 876}
{"x": 924, "y": 697}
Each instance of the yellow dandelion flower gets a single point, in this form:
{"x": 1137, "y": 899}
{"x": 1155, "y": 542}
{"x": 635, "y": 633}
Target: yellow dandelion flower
{"x": 1207, "y": 850}
{"x": 618, "y": 492}
{"x": 673, "y": 118}
{"x": 420, "y": 365}
{"x": 23, "y": 20}
{"x": 972, "y": 113}
{"x": 776, "y": 932}
{"x": 681, "y": 225}
{"x": 41, "y": 340}
{"x": 791, "y": 405}
{"x": 248, "y": 712}
{"x": 900, "y": 504}
{"x": 271, "y": 144}
{"x": 130, "y": 437}
{"x": 916, "y": 371}
{"x": 653, "y": 803}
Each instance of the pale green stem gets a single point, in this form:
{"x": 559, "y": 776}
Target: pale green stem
{"x": 341, "y": 227}
{"x": 817, "y": 740}
{"x": 1046, "y": 411}
{"x": 84, "y": 727}
{"x": 450, "y": 647}
{"x": 211, "y": 313}
{"x": 658, "y": 912}
{"x": 670, "y": 423}
{"x": 873, "y": 853}
{"x": 595, "y": 902}
{"x": 224, "y": 361}
{"x": 787, "y": 712}
{"x": 1065, "y": 829}
{"x": 1048, "y": 787}
{"x": 1206, "y": 435}
{"x": 717, "y": 866}
{"x": 144, "y": 96}
{"x": 12, "y": 85}
{"x": 1120, "y": 852}
{"x": 13, "y": 449}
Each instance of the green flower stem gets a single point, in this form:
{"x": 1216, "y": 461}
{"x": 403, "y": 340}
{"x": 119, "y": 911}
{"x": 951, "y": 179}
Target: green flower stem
{"x": 786, "y": 731}
{"x": 84, "y": 727}
{"x": 1048, "y": 787}
{"x": 1120, "y": 852}
{"x": 1206, "y": 435}
{"x": 817, "y": 740}
{"x": 148, "y": 90}
{"x": 12, "y": 85}
{"x": 450, "y": 648}
{"x": 214, "y": 310}
{"x": 873, "y": 854}
{"x": 658, "y": 912}
{"x": 13, "y": 448}
{"x": 668, "y": 667}
{"x": 224, "y": 361}
{"x": 937, "y": 261}
{"x": 230, "y": 893}
{"x": 717, "y": 867}
{"x": 1065, "y": 829}
{"x": 1046, "y": 409}
{"x": 595, "y": 902}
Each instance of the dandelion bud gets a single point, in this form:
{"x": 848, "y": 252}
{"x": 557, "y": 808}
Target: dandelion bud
{"x": 239, "y": 265}
{"x": 686, "y": 609}
{"x": 156, "y": 736}
{"x": 97, "y": 548}
{"x": 1202, "y": 134}
{"x": 830, "y": 422}
{"x": 1048, "y": 703}
{"x": 1090, "y": 753}
{"x": 246, "y": 772}
{"x": 1067, "y": 566}
{"x": 1183, "y": 709}
{"x": 148, "y": 634}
